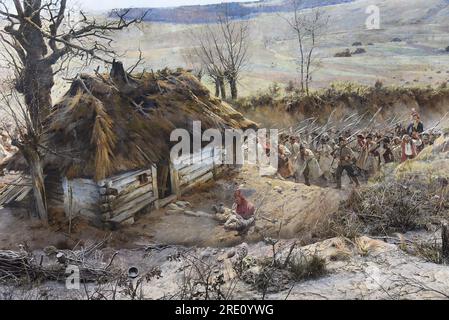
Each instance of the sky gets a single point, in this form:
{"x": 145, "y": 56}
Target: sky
{"x": 111, "y": 4}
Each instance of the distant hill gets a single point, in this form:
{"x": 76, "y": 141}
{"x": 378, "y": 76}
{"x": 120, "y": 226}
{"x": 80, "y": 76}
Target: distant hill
{"x": 208, "y": 13}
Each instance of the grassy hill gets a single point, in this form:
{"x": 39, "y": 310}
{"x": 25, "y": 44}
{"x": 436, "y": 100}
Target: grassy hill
{"x": 208, "y": 13}
{"x": 418, "y": 59}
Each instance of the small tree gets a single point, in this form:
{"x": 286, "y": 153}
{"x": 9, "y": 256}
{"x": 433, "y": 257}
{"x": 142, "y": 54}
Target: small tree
{"x": 208, "y": 51}
{"x": 308, "y": 29}
{"x": 40, "y": 39}
{"x": 235, "y": 54}
{"x": 224, "y": 49}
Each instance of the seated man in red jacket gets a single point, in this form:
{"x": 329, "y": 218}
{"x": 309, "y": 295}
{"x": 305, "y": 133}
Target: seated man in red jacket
{"x": 244, "y": 213}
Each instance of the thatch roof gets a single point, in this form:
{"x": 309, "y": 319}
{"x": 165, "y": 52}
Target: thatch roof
{"x": 107, "y": 124}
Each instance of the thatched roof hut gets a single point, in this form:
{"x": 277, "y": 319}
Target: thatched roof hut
{"x": 108, "y": 125}
{"x": 103, "y": 127}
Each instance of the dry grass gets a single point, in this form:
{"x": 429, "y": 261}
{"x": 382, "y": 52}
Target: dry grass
{"x": 307, "y": 267}
{"x": 385, "y": 208}
{"x": 347, "y": 97}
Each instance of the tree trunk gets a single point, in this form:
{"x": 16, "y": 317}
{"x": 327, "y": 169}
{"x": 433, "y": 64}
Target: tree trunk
{"x": 234, "y": 91}
{"x": 36, "y": 79}
{"x": 217, "y": 88}
{"x": 35, "y": 83}
{"x": 38, "y": 183}
{"x": 445, "y": 243}
{"x": 222, "y": 88}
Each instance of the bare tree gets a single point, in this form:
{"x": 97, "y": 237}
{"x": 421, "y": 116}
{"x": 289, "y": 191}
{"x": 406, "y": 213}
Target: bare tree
{"x": 224, "y": 49}
{"x": 39, "y": 40}
{"x": 235, "y": 56}
{"x": 208, "y": 50}
{"x": 193, "y": 62}
{"x": 309, "y": 27}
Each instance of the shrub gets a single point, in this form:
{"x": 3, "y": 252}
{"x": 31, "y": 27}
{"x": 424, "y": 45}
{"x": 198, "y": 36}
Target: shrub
{"x": 304, "y": 267}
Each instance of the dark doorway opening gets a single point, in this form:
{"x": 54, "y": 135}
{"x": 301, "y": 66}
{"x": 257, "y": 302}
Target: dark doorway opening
{"x": 164, "y": 181}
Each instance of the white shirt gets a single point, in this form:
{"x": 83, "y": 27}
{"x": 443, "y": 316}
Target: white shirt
{"x": 408, "y": 149}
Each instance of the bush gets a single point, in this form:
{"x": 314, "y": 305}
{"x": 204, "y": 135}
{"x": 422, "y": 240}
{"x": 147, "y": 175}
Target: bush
{"x": 359, "y": 51}
{"x": 307, "y": 267}
{"x": 343, "y": 54}
{"x": 290, "y": 88}
{"x": 378, "y": 85}
{"x": 388, "y": 207}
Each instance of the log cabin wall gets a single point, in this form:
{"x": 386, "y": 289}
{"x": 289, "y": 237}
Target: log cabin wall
{"x": 81, "y": 198}
{"x": 54, "y": 190}
{"x": 122, "y": 196}
{"x": 190, "y": 171}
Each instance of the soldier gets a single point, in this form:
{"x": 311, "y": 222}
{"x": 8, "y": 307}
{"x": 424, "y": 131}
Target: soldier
{"x": 368, "y": 160}
{"x": 397, "y": 149}
{"x": 409, "y": 147}
{"x": 416, "y": 125}
{"x": 345, "y": 163}
{"x": 307, "y": 165}
{"x": 386, "y": 151}
{"x": 325, "y": 159}
{"x": 426, "y": 141}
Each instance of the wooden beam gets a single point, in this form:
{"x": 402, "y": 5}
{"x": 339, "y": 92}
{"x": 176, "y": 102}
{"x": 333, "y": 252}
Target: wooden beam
{"x": 155, "y": 187}
{"x": 445, "y": 243}
{"x": 175, "y": 184}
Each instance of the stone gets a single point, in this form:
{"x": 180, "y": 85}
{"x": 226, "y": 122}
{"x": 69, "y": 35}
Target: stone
{"x": 177, "y": 211}
{"x": 230, "y": 254}
{"x": 173, "y": 206}
{"x": 128, "y": 222}
{"x": 278, "y": 189}
{"x": 183, "y": 204}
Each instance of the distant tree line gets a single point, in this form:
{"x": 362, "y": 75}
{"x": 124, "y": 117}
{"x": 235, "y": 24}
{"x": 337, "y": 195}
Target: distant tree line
{"x": 207, "y": 13}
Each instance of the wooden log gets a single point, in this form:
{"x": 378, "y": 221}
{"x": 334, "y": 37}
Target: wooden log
{"x": 127, "y": 211}
{"x": 128, "y": 197}
{"x": 61, "y": 258}
{"x": 163, "y": 202}
{"x": 124, "y": 183}
{"x": 196, "y": 174}
{"x": 118, "y": 207}
{"x": 119, "y": 181}
{"x": 445, "y": 243}
{"x": 208, "y": 176}
{"x": 125, "y": 188}
{"x": 108, "y": 192}
{"x": 107, "y": 199}
{"x": 191, "y": 159}
{"x": 197, "y": 166}
{"x": 125, "y": 175}
{"x": 154, "y": 183}
{"x": 175, "y": 183}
